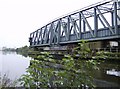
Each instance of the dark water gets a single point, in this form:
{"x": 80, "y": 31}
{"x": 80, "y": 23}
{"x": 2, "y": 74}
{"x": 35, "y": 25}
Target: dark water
{"x": 108, "y": 74}
{"x": 15, "y": 65}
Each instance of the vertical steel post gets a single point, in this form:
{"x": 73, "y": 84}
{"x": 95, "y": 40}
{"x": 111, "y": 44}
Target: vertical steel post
{"x": 31, "y": 38}
{"x": 51, "y": 33}
{"x": 80, "y": 26}
{"x": 118, "y": 12}
{"x": 38, "y": 36}
{"x": 36, "y": 33}
{"x": 115, "y": 17}
{"x": 46, "y": 34}
{"x": 95, "y": 23}
{"x": 84, "y": 28}
{"x": 112, "y": 19}
{"x": 59, "y": 31}
{"x": 68, "y": 28}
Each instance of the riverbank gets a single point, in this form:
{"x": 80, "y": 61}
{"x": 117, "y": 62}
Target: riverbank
{"x": 101, "y": 55}
{"x": 106, "y": 73}
{"x": 82, "y": 51}
{"x": 104, "y": 76}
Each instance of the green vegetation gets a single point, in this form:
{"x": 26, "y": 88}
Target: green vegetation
{"x": 71, "y": 71}
{"x": 82, "y": 51}
{"x": 8, "y": 49}
{"x": 107, "y": 55}
{"x": 5, "y": 82}
{"x": 26, "y": 51}
{"x": 23, "y": 50}
{"x": 68, "y": 72}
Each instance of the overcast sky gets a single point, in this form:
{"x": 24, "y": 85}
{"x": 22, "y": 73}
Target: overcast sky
{"x": 18, "y": 18}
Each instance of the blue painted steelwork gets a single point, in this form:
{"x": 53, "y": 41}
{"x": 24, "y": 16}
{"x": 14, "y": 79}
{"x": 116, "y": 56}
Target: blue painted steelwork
{"x": 95, "y": 22}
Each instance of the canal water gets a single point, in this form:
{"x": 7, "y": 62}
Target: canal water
{"x": 14, "y": 65}
{"x": 108, "y": 74}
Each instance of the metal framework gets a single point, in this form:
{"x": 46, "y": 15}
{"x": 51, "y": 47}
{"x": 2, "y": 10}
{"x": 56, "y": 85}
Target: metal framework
{"x": 96, "y": 22}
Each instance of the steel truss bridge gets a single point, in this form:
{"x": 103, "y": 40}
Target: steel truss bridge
{"x": 100, "y": 21}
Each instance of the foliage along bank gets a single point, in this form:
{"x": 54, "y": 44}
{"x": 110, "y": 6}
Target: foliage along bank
{"x": 45, "y": 71}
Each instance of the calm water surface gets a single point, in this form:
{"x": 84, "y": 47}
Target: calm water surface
{"x": 108, "y": 74}
{"x": 13, "y": 65}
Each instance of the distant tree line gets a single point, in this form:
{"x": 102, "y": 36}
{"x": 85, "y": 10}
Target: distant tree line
{"x": 21, "y": 50}
{"x": 8, "y": 49}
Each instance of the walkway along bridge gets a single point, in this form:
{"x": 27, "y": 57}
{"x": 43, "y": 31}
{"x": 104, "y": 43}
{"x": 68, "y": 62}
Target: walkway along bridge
{"x": 100, "y": 21}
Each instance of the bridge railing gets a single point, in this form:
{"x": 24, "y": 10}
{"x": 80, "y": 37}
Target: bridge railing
{"x": 95, "y": 22}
